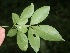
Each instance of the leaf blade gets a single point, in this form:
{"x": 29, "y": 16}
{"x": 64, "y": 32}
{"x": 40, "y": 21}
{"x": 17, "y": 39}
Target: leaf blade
{"x": 22, "y": 28}
{"x": 34, "y": 41}
{"x": 48, "y": 33}
{"x": 12, "y": 32}
{"x": 15, "y": 18}
{"x": 22, "y": 41}
{"x": 22, "y": 21}
{"x": 28, "y": 11}
{"x": 39, "y": 15}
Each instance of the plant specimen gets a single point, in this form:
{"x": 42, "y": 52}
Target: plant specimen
{"x": 44, "y": 31}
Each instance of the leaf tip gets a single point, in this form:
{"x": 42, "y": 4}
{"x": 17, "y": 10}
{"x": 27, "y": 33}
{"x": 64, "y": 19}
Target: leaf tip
{"x": 31, "y": 3}
{"x": 32, "y": 6}
{"x": 63, "y": 40}
{"x": 12, "y": 13}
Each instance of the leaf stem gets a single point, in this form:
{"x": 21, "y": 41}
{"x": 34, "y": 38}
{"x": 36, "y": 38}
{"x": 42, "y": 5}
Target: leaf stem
{"x": 23, "y": 25}
{"x": 4, "y": 26}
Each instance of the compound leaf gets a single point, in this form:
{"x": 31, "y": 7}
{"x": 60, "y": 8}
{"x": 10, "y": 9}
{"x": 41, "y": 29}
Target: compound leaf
{"x": 28, "y": 11}
{"x": 39, "y": 15}
{"x": 15, "y": 18}
{"x": 12, "y": 32}
{"x": 34, "y": 41}
{"x": 48, "y": 33}
{"x": 22, "y": 41}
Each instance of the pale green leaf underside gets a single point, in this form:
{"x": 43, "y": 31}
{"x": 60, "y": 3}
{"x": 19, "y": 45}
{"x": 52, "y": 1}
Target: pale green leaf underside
{"x": 48, "y": 33}
{"x": 34, "y": 41}
{"x": 22, "y": 41}
{"x": 28, "y": 11}
{"x": 39, "y": 15}
{"x": 15, "y": 18}
{"x": 12, "y": 32}
{"x": 22, "y": 28}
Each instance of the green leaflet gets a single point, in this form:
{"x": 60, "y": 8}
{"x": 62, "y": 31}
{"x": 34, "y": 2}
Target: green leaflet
{"x": 34, "y": 41}
{"x": 48, "y": 33}
{"x": 39, "y": 15}
{"x": 22, "y": 21}
{"x": 28, "y": 11}
{"x": 22, "y": 29}
{"x": 15, "y": 18}
{"x": 12, "y": 32}
{"x": 22, "y": 41}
